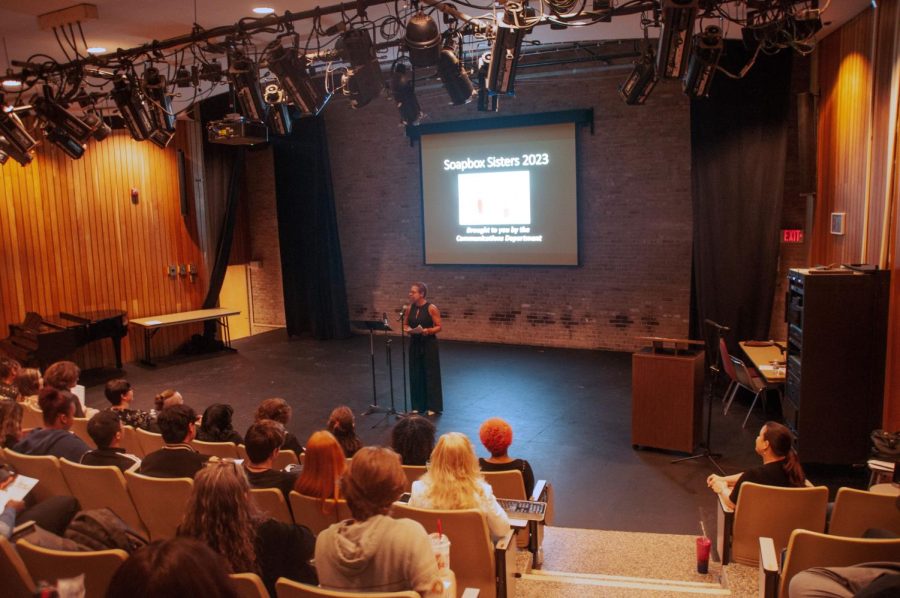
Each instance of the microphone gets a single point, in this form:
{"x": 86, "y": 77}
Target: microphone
{"x": 402, "y": 312}
{"x": 384, "y": 318}
{"x": 717, "y": 325}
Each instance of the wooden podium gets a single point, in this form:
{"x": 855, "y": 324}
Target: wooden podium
{"x": 667, "y": 394}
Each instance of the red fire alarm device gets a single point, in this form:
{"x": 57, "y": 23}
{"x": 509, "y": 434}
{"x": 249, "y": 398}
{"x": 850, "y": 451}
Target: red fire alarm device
{"x": 792, "y": 235}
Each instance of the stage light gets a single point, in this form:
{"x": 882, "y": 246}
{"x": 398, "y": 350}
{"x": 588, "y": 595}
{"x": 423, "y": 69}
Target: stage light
{"x": 244, "y": 77}
{"x": 101, "y": 130}
{"x": 507, "y": 48}
{"x": 160, "y": 106}
{"x": 56, "y": 117}
{"x": 403, "y": 91}
{"x": 675, "y": 37}
{"x": 4, "y": 157}
{"x": 292, "y": 73}
{"x": 423, "y": 40}
{"x": 641, "y": 81}
{"x": 454, "y": 77}
{"x": 209, "y": 71}
{"x": 19, "y": 144}
{"x": 68, "y": 144}
{"x": 486, "y": 101}
{"x": 363, "y": 81}
{"x": 132, "y": 107}
{"x": 705, "y": 54}
{"x": 279, "y": 115}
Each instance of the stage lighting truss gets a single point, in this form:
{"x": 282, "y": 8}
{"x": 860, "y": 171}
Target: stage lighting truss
{"x": 363, "y": 81}
{"x": 677, "y": 23}
{"x": 243, "y": 75}
{"x": 641, "y": 80}
{"x": 403, "y": 90}
{"x": 518, "y": 20}
{"x": 705, "y": 54}
{"x": 18, "y": 143}
{"x": 292, "y": 72}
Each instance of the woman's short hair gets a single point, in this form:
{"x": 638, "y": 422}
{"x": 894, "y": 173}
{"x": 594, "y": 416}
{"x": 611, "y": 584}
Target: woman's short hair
{"x": 115, "y": 389}
{"x": 54, "y": 402}
{"x": 262, "y": 438}
{"x": 28, "y": 381}
{"x": 276, "y": 409}
{"x": 496, "y": 435}
{"x": 10, "y": 420}
{"x": 423, "y": 288}
{"x": 323, "y": 465}
{"x": 167, "y": 398}
{"x": 62, "y": 375}
{"x": 373, "y": 482}
{"x": 413, "y": 438}
{"x": 176, "y": 567}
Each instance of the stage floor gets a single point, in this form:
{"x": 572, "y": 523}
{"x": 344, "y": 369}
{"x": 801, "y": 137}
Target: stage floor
{"x": 570, "y": 411}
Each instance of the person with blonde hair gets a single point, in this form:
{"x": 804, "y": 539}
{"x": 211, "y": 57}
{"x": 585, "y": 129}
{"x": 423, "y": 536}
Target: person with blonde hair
{"x": 372, "y": 551}
{"x": 342, "y": 425}
{"x": 167, "y": 398}
{"x": 221, "y": 514}
{"x": 454, "y": 481}
{"x": 323, "y": 466}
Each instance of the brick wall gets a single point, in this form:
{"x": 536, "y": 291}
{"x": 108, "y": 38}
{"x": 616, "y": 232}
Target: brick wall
{"x": 635, "y": 219}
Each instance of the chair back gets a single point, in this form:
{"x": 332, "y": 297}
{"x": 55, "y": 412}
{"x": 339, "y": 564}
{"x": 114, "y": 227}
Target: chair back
{"x": 774, "y": 512}
{"x": 317, "y": 514}
{"x": 98, "y": 487}
{"x": 79, "y": 428}
{"x": 150, "y": 441}
{"x": 249, "y": 585}
{"x": 506, "y": 484}
{"x": 810, "y": 549}
{"x": 855, "y": 511}
{"x": 223, "y": 450}
{"x": 413, "y": 473}
{"x": 472, "y": 556}
{"x": 31, "y": 417}
{"x": 287, "y": 588}
{"x": 160, "y": 502}
{"x": 43, "y": 468}
{"x": 285, "y": 457}
{"x": 727, "y": 365}
{"x": 271, "y": 502}
{"x": 98, "y": 566}
{"x": 17, "y": 582}
{"x": 131, "y": 443}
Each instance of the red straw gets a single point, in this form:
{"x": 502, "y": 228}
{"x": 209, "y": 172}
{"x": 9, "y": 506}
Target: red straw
{"x": 440, "y": 530}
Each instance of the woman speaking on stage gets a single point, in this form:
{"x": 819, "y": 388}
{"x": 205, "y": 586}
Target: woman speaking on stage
{"x": 422, "y": 322}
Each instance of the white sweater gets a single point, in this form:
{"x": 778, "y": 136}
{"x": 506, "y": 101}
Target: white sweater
{"x": 498, "y": 522}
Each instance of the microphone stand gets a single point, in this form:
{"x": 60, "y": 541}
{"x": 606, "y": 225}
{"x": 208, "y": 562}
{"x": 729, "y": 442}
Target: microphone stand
{"x": 403, "y": 353}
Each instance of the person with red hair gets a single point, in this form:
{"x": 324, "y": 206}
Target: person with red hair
{"x": 496, "y": 436}
{"x": 323, "y": 466}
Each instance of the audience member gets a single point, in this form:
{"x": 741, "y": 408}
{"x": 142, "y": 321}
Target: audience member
{"x": 177, "y": 567}
{"x": 413, "y": 439}
{"x": 342, "y": 425}
{"x": 263, "y": 442}
{"x": 278, "y": 410}
{"x": 496, "y": 436}
{"x": 58, "y": 408}
{"x": 780, "y": 467}
{"x": 29, "y": 382}
{"x": 221, "y": 514}
{"x": 453, "y": 481}
{"x": 52, "y": 514}
{"x": 216, "y": 425}
{"x": 372, "y": 551}
{"x": 323, "y": 466}
{"x": 177, "y": 459}
{"x": 10, "y": 423}
{"x": 105, "y": 429}
{"x": 167, "y": 398}
{"x": 120, "y": 395}
{"x": 9, "y": 369}
{"x": 63, "y": 375}
{"x": 865, "y": 580}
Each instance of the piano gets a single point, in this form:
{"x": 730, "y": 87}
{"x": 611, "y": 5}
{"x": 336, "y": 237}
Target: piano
{"x": 40, "y": 341}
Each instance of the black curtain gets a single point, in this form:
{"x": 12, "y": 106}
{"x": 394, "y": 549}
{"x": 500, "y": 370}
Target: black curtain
{"x": 315, "y": 298}
{"x": 738, "y": 151}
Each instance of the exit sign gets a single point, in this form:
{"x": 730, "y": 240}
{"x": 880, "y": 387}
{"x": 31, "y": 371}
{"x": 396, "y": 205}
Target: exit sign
{"x": 792, "y": 235}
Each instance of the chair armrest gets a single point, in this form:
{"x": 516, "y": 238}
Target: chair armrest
{"x": 724, "y": 525}
{"x": 540, "y": 487}
{"x": 505, "y": 563}
{"x": 768, "y": 569}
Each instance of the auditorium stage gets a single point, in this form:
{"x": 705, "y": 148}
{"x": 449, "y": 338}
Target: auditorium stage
{"x": 570, "y": 411}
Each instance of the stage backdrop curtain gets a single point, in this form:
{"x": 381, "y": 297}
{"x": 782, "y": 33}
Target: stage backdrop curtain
{"x": 315, "y": 298}
{"x": 738, "y": 150}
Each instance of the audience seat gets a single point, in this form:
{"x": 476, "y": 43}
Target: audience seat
{"x": 160, "y": 502}
{"x": 79, "y": 428}
{"x": 476, "y": 561}
{"x": 855, "y": 511}
{"x": 808, "y": 549}
{"x": 511, "y": 485}
{"x": 308, "y": 511}
{"x": 149, "y": 441}
{"x": 31, "y": 417}
{"x": 287, "y": 588}
{"x": 43, "y": 468}
{"x": 249, "y": 585}
{"x": 413, "y": 473}
{"x": 284, "y": 458}
{"x": 16, "y": 579}
{"x": 271, "y": 502}
{"x": 49, "y": 565}
{"x": 767, "y": 511}
{"x": 223, "y": 450}
{"x": 97, "y": 487}
{"x": 131, "y": 443}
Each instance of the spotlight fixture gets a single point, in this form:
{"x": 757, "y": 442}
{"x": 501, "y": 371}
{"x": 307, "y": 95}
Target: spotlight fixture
{"x": 705, "y": 54}
{"x": 68, "y": 144}
{"x": 675, "y": 37}
{"x": 209, "y": 71}
{"x": 279, "y": 115}
{"x": 244, "y": 77}
{"x": 423, "y": 40}
{"x": 95, "y": 121}
{"x": 160, "y": 105}
{"x": 641, "y": 81}
{"x": 132, "y": 107}
{"x": 454, "y": 76}
{"x": 4, "y": 157}
{"x": 486, "y": 101}
{"x": 507, "y": 48}
{"x": 56, "y": 117}
{"x": 19, "y": 144}
{"x": 403, "y": 90}
{"x": 363, "y": 81}
{"x": 187, "y": 78}
{"x": 292, "y": 73}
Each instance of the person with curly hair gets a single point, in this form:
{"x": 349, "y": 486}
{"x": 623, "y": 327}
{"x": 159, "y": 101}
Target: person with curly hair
{"x": 454, "y": 481}
{"x": 413, "y": 439}
{"x": 216, "y": 425}
{"x": 278, "y": 410}
{"x": 221, "y": 514}
{"x": 496, "y": 435}
{"x": 343, "y": 426}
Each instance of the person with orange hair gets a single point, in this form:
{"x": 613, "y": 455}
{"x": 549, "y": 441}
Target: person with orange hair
{"x": 496, "y": 436}
{"x": 323, "y": 466}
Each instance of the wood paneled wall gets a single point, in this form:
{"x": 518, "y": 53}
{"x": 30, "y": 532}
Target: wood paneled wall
{"x": 72, "y": 239}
